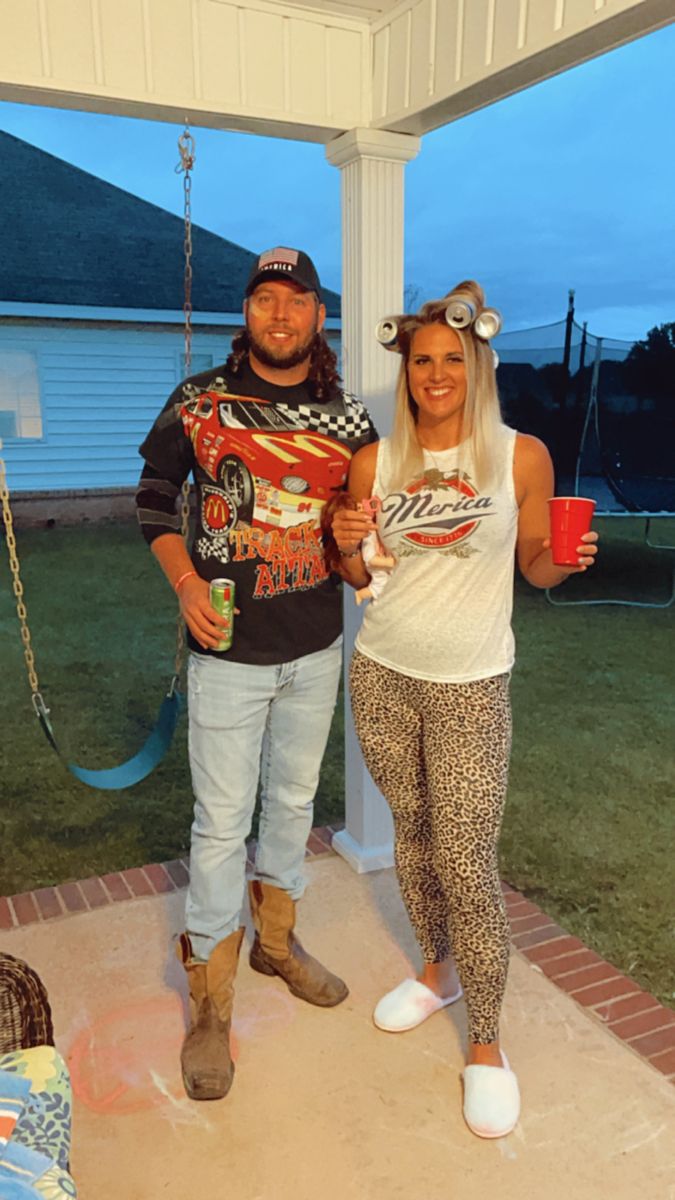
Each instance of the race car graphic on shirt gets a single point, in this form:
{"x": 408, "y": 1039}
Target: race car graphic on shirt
{"x": 268, "y": 477}
{"x": 273, "y": 471}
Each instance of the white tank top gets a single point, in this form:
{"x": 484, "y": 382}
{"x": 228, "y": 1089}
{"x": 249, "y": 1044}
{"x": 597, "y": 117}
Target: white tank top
{"x": 445, "y": 611}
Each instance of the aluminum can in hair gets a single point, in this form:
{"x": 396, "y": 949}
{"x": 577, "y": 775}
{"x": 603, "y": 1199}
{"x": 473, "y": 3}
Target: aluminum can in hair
{"x": 386, "y": 332}
{"x": 221, "y": 595}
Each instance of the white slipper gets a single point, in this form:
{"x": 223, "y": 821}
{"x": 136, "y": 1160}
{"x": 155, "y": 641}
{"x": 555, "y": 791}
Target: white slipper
{"x": 491, "y": 1099}
{"x": 408, "y": 1005}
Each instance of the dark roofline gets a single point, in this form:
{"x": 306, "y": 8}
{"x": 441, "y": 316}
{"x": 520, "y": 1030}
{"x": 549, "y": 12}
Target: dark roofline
{"x": 83, "y": 241}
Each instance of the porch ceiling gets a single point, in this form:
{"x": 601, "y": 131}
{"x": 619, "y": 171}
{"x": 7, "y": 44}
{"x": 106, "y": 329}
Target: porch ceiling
{"x": 367, "y": 10}
{"x": 307, "y": 71}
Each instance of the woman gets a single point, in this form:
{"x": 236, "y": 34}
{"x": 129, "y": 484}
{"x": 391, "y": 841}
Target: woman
{"x": 459, "y": 492}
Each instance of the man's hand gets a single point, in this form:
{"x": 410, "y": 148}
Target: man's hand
{"x": 205, "y": 624}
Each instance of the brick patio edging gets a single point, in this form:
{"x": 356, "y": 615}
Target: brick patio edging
{"x": 630, "y": 1013}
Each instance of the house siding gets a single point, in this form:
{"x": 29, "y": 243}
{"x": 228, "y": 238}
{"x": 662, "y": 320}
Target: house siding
{"x": 101, "y": 389}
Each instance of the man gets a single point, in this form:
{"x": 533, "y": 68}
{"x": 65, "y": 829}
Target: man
{"x": 268, "y": 436}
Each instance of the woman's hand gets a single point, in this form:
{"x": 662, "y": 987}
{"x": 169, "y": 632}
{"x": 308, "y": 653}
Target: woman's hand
{"x": 349, "y": 528}
{"x": 534, "y": 486}
{"x": 206, "y": 625}
{"x": 587, "y": 552}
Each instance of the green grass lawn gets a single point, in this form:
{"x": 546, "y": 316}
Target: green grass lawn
{"x": 589, "y": 831}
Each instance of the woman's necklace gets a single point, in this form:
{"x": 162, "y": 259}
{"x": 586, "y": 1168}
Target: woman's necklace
{"x": 433, "y": 456}
{"x": 435, "y": 476}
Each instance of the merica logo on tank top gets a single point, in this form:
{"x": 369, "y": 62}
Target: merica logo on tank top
{"x": 437, "y": 511}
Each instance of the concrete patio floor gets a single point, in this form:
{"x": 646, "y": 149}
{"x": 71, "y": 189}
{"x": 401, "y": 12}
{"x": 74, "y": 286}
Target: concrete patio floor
{"x": 323, "y": 1105}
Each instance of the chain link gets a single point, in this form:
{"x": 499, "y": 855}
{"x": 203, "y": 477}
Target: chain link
{"x": 186, "y": 149}
{"x": 180, "y": 626}
{"x": 16, "y": 582}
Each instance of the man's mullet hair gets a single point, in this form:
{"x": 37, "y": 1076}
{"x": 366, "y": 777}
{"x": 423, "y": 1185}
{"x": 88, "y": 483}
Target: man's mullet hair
{"x": 323, "y": 373}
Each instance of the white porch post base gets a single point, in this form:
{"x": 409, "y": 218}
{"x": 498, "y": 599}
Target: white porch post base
{"x": 363, "y": 858}
{"x": 372, "y": 165}
{"x": 367, "y": 841}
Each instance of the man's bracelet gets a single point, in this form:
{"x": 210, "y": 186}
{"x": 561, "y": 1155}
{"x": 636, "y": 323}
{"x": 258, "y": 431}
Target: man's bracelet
{"x": 350, "y": 553}
{"x": 182, "y": 579}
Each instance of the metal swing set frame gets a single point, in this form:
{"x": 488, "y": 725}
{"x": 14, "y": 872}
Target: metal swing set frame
{"x": 592, "y": 413}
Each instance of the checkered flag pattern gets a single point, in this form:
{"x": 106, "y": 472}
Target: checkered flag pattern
{"x": 352, "y": 423}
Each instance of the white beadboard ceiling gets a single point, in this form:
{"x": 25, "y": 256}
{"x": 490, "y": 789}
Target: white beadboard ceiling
{"x": 365, "y": 10}
{"x": 289, "y": 68}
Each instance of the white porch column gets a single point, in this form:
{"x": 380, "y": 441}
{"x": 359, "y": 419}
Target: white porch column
{"x": 372, "y": 163}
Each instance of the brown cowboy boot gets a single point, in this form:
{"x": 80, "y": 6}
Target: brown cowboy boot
{"x": 205, "y": 1058}
{"x": 277, "y": 951}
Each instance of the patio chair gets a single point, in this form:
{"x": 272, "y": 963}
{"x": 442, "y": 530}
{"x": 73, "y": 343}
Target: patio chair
{"x": 35, "y": 1095}
{"x": 25, "y": 1015}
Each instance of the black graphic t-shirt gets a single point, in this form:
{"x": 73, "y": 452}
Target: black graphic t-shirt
{"x": 265, "y": 459}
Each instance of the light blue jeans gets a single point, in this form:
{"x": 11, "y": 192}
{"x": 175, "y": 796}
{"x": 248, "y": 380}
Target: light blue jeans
{"x": 249, "y": 723}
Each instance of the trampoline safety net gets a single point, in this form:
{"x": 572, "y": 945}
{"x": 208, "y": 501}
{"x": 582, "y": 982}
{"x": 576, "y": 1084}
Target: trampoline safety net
{"x": 608, "y": 419}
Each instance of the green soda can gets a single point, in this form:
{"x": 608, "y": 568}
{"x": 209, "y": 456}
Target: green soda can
{"x": 221, "y": 595}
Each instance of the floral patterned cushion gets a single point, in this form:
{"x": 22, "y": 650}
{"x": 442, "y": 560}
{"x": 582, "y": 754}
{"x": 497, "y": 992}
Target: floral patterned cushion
{"x": 55, "y": 1184}
{"x": 44, "y": 1124}
{"x": 28, "y": 1175}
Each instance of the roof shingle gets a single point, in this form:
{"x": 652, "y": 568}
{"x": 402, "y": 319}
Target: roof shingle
{"x": 75, "y": 239}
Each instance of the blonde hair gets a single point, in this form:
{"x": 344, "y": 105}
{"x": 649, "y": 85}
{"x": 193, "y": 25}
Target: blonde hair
{"x": 481, "y": 419}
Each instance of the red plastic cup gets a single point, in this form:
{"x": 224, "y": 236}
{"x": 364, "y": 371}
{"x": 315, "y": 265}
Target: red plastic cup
{"x": 570, "y": 517}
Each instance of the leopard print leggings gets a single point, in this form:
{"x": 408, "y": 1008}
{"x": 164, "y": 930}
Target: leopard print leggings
{"x": 439, "y": 753}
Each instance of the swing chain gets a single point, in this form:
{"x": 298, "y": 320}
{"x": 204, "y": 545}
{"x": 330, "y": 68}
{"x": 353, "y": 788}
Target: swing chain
{"x": 180, "y": 625}
{"x": 18, "y": 591}
{"x": 186, "y": 148}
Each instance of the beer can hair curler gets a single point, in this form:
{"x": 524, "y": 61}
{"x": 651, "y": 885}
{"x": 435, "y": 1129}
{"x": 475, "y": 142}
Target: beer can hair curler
{"x": 460, "y": 312}
{"x": 487, "y": 324}
{"x": 386, "y": 332}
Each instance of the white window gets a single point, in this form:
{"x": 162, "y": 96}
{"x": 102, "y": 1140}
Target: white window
{"x": 20, "y": 409}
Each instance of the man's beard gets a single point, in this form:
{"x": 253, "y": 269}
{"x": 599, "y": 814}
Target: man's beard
{"x": 281, "y": 358}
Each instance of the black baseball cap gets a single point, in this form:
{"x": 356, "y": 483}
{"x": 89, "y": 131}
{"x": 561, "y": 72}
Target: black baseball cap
{"x": 284, "y": 263}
